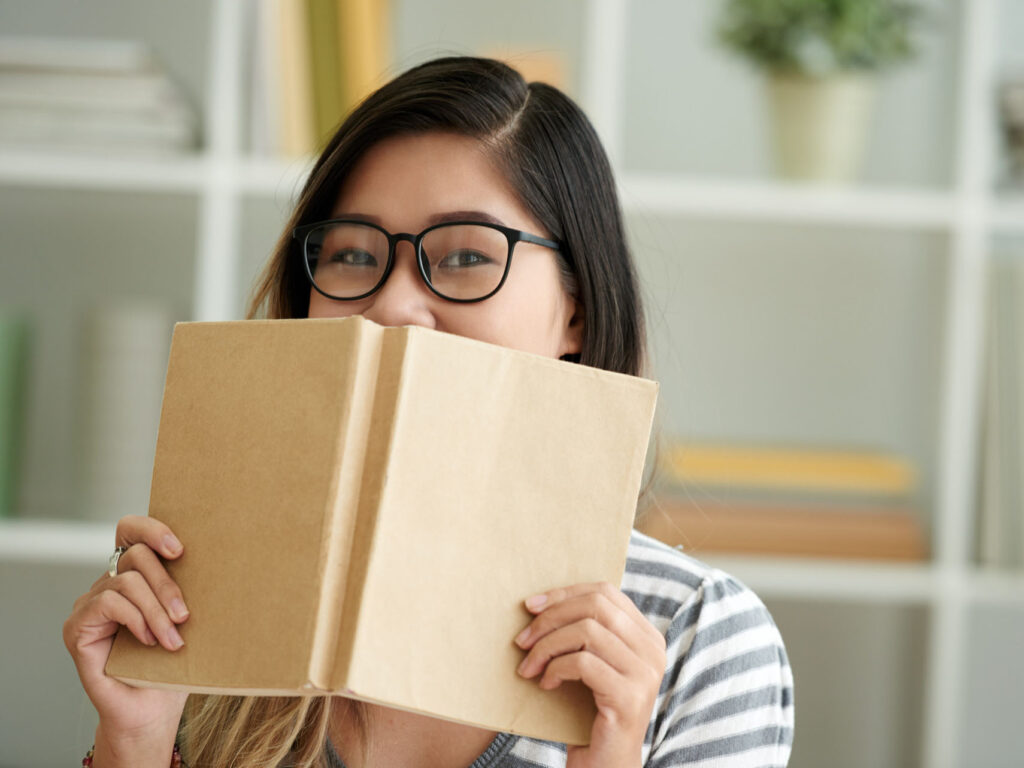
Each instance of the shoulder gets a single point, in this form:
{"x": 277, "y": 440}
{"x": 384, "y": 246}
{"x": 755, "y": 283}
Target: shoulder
{"x": 661, "y": 581}
{"x": 658, "y": 578}
{"x": 728, "y": 686}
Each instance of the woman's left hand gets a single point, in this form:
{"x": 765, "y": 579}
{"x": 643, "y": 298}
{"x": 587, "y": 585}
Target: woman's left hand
{"x": 595, "y": 634}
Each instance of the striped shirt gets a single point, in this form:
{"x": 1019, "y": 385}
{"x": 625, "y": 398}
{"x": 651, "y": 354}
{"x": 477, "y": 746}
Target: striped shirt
{"x": 726, "y": 700}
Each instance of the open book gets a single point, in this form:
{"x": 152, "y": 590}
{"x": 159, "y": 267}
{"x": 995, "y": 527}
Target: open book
{"x": 364, "y": 510}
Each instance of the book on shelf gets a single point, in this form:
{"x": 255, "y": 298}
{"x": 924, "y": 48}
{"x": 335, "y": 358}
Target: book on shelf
{"x": 364, "y": 35}
{"x": 789, "y": 469}
{"x": 364, "y": 510}
{"x": 788, "y": 529}
{"x": 90, "y": 129}
{"x": 788, "y": 500}
{"x": 124, "y": 346}
{"x": 15, "y": 341}
{"x": 81, "y": 54}
{"x": 1000, "y": 519}
{"x": 88, "y": 95}
{"x": 312, "y": 62}
{"x": 326, "y": 67}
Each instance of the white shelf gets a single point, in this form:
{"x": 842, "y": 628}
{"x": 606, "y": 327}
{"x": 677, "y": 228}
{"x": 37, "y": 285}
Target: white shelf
{"x": 641, "y": 193}
{"x": 72, "y": 542}
{"x": 172, "y": 173}
{"x": 756, "y": 199}
{"x": 833, "y": 580}
{"x": 787, "y": 201}
{"x": 997, "y": 588}
{"x": 64, "y": 542}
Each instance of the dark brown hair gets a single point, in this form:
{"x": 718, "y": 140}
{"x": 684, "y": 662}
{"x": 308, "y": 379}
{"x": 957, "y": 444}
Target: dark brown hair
{"x": 547, "y": 148}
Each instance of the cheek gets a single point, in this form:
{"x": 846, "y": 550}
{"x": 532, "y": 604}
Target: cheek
{"x": 517, "y": 318}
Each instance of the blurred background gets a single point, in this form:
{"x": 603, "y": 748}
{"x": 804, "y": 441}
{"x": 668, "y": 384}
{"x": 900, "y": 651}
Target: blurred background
{"x": 826, "y": 203}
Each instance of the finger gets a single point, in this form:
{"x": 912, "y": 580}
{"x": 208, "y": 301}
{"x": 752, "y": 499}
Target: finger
{"x": 100, "y": 616}
{"x": 133, "y": 585}
{"x": 543, "y": 601}
{"x": 141, "y": 558}
{"x": 137, "y": 529}
{"x": 642, "y": 638}
{"x": 585, "y": 635}
{"x": 89, "y": 634}
{"x": 594, "y": 672}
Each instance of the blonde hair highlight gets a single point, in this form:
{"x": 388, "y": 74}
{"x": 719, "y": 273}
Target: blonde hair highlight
{"x": 263, "y": 731}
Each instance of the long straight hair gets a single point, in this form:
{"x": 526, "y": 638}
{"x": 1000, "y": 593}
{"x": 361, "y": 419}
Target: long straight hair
{"x": 549, "y": 152}
{"x": 547, "y": 149}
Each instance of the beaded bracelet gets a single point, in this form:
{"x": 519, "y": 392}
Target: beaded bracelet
{"x": 175, "y": 757}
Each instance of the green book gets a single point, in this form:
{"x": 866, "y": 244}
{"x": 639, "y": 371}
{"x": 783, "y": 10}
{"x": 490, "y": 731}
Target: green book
{"x": 13, "y": 372}
{"x": 323, "y": 39}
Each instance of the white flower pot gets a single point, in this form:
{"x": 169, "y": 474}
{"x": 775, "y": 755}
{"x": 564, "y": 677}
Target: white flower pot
{"x": 819, "y": 124}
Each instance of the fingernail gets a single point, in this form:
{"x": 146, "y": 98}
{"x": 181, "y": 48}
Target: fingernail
{"x": 521, "y": 637}
{"x": 150, "y": 637}
{"x": 535, "y": 602}
{"x": 171, "y": 544}
{"x": 522, "y": 666}
{"x": 175, "y": 638}
{"x": 178, "y": 610}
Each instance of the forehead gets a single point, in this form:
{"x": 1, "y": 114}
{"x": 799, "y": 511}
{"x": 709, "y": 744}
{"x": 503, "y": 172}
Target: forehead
{"x": 405, "y": 181}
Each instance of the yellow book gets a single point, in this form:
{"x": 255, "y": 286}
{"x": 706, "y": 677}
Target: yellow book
{"x": 296, "y": 81}
{"x": 364, "y": 48}
{"x": 790, "y": 469}
{"x": 325, "y": 67}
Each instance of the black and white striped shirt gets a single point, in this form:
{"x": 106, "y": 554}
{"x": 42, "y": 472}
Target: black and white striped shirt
{"x": 726, "y": 700}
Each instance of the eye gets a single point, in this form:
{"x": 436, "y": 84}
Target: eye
{"x": 463, "y": 258}
{"x": 353, "y": 257}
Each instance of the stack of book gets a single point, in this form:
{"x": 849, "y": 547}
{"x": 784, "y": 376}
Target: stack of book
{"x": 90, "y": 95}
{"x": 125, "y": 346}
{"x": 1000, "y": 533}
{"x": 772, "y": 500}
{"x": 312, "y": 62}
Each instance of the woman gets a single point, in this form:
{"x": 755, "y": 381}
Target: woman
{"x": 685, "y": 664}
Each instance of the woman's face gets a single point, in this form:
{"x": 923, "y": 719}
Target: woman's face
{"x": 407, "y": 183}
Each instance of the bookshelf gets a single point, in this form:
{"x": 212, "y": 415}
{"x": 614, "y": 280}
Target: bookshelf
{"x": 226, "y": 207}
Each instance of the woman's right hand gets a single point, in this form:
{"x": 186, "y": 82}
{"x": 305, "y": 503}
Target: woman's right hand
{"x": 136, "y": 724}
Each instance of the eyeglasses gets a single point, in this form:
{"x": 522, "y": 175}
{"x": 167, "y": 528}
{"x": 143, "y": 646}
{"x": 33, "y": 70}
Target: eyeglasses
{"x": 462, "y": 261}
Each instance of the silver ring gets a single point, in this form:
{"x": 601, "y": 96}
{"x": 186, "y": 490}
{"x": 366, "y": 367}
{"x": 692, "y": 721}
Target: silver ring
{"x": 112, "y": 569}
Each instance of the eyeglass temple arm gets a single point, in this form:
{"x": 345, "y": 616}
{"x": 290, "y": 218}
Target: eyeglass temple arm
{"x": 528, "y": 238}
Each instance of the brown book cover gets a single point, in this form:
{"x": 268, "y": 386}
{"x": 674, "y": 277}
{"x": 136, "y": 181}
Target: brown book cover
{"x": 364, "y": 510}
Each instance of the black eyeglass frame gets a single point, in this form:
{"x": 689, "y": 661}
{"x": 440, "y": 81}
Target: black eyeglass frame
{"x": 302, "y": 232}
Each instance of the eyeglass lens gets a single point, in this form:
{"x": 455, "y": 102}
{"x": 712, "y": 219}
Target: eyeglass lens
{"x": 462, "y": 261}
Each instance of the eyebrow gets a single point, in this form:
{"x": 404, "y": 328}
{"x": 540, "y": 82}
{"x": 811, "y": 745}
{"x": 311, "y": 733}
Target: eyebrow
{"x": 444, "y": 218}
{"x": 437, "y": 218}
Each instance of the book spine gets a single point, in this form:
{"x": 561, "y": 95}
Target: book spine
{"x": 890, "y": 534}
{"x": 74, "y": 53}
{"x": 295, "y": 84}
{"x": 384, "y": 421}
{"x": 343, "y": 499}
{"x": 323, "y": 20}
{"x": 363, "y": 47}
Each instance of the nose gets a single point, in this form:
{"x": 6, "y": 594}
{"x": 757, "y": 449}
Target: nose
{"x": 404, "y": 299}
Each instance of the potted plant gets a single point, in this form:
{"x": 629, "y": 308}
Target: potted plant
{"x": 822, "y": 58}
